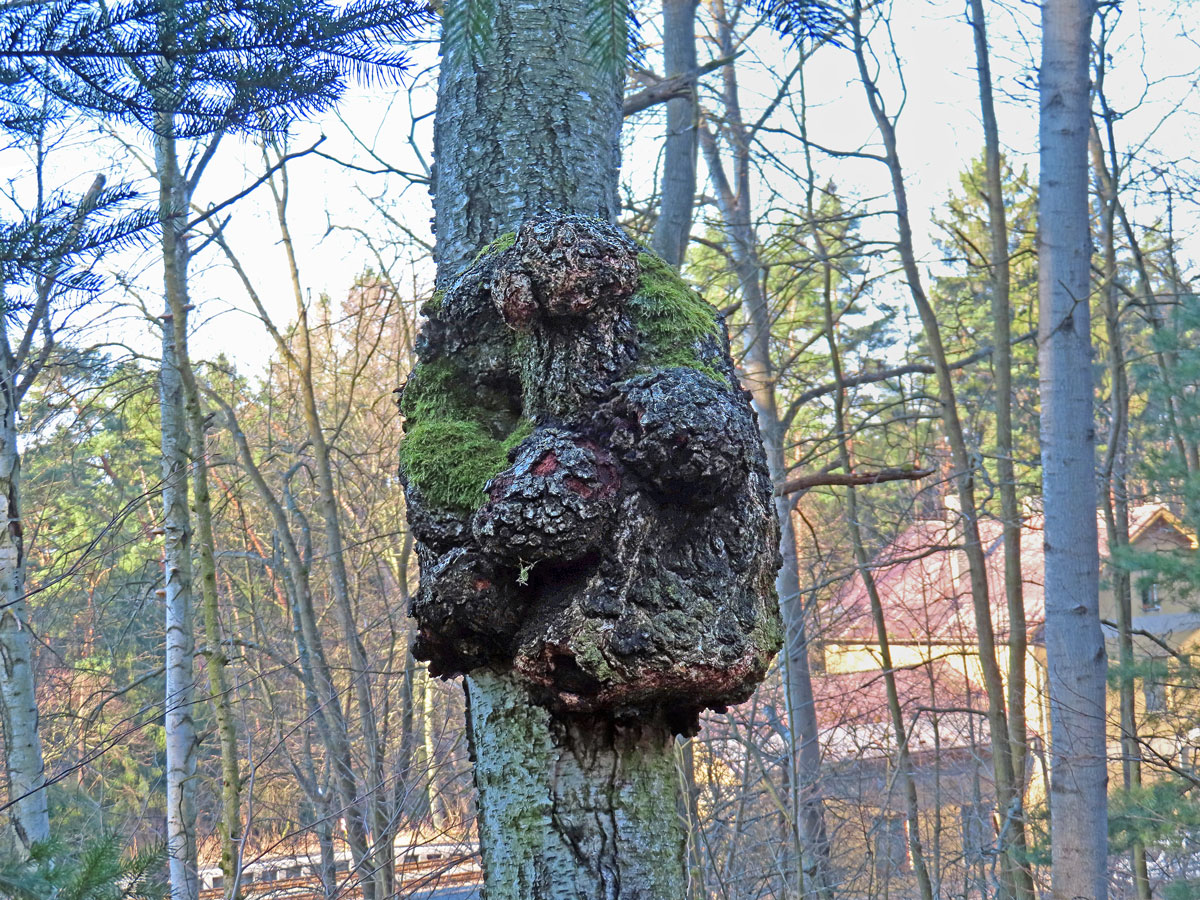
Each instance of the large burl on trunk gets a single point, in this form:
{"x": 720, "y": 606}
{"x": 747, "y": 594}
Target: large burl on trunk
{"x": 586, "y": 483}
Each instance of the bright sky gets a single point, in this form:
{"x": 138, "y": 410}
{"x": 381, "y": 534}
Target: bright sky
{"x": 939, "y": 133}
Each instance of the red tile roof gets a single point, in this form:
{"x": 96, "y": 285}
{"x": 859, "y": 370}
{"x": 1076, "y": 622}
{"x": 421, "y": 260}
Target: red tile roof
{"x": 924, "y": 585}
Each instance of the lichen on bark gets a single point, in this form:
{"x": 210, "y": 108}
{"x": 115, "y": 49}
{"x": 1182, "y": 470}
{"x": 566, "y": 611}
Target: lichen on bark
{"x": 586, "y": 483}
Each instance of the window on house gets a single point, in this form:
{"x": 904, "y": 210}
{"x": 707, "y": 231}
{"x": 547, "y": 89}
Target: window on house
{"x": 891, "y": 846}
{"x": 977, "y": 832}
{"x": 1150, "y": 597}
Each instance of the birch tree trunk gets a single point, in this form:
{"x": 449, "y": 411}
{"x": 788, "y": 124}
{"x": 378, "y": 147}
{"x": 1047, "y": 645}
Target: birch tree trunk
{"x": 20, "y": 365}
{"x": 528, "y": 120}
{"x": 216, "y": 662}
{"x": 177, "y": 539}
{"x": 1074, "y": 642}
{"x": 24, "y": 767}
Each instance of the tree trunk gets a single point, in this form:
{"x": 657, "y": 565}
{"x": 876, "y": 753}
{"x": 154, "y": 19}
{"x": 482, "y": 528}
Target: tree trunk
{"x": 586, "y": 810}
{"x": 678, "y": 182}
{"x": 1115, "y": 471}
{"x": 24, "y": 766}
{"x": 1013, "y": 817}
{"x": 862, "y": 561}
{"x": 528, "y": 120}
{"x": 1074, "y": 642}
{"x": 1013, "y": 876}
{"x": 177, "y": 562}
{"x": 322, "y": 698}
{"x": 216, "y": 662}
{"x": 734, "y": 202}
{"x": 382, "y": 822}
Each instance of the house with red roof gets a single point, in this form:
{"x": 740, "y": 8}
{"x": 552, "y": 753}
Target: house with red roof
{"x": 924, "y": 588}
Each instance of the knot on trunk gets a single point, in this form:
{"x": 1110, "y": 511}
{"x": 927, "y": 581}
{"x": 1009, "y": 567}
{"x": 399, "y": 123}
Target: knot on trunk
{"x": 564, "y": 267}
{"x": 586, "y": 484}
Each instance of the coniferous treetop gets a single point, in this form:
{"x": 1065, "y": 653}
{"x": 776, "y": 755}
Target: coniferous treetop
{"x": 212, "y": 65}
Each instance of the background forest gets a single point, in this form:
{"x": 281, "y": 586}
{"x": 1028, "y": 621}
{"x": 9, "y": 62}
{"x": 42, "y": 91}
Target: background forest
{"x": 854, "y": 189}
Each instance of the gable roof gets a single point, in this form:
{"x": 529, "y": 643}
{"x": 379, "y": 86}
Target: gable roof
{"x": 924, "y": 582}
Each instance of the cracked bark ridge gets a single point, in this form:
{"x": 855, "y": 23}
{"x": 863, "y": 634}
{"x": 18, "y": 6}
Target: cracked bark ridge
{"x": 569, "y": 482}
{"x": 609, "y": 535}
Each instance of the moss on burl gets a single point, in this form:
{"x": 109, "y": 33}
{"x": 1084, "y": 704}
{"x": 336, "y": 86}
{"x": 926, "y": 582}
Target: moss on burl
{"x": 499, "y": 245}
{"x": 671, "y": 319}
{"x": 449, "y": 449}
{"x": 453, "y": 446}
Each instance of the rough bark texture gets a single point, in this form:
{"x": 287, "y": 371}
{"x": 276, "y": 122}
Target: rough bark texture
{"x": 1074, "y": 643}
{"x": 526, "y": 123}
{"x": 619, "y": 558}
{"x": 579, "y": 805}
{"x": 593, "y": 520}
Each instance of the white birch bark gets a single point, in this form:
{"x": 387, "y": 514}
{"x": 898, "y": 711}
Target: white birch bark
{"x": 20, "y": 365}
{"x": 24, "y": 767}
{"x": 177, "y": 536}
{"x": 1074, "y": 642}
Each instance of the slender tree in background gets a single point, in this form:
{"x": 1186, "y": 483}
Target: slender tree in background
{"x": 25, "y": 348}
{"x": 1074, "y": 642}
{"x": 1015, "y": 877}
{"x": 678, "y": 179}
{"x": 1002, "y": 367}
{"x": 1114, "y": 467}
{"x": 732, "y": 183}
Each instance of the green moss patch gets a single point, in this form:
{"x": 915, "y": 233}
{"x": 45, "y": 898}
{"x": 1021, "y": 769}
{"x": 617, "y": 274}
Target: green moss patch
{"x": 499, "y": 245}
{"x": 449, "y": 451}
{"x": 671, "y": 319}
{"x": 434, "y": 303}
